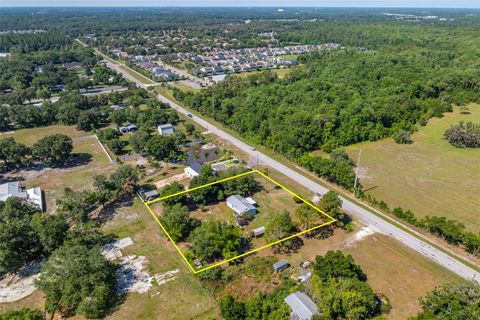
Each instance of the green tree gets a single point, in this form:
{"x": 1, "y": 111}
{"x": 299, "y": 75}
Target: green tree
{"x": 279, "y": 227}
{"x": 451, "y": 301}
{"x": 125, "y": 179}
{"x": 344, "y": 298}
{"x": 13, "y": 153}
{"x": 215, "y": 239}
{"x": 78, "y": 280}
{"x": 50, "y": 229}
{"x": 231, "y": 309}
{"x": 171, "y": 189}
{"x": 138, "y": 140}
{"x": 331, "y": 203}
{"x": 22, "y": 314}
{"x": 305, "y": 214}
{"x": 402, "y": 137}
{"x": 160, "y": 147}
{"x": 53, "y": 150}
{"x": 177, "y": 221}
{"x": 334, "y": 264}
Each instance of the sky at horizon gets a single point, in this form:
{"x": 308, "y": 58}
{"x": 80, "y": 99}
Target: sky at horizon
{"x": 245, "y": 3}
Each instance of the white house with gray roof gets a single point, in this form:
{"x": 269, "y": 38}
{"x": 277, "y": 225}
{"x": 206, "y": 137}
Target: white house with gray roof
{"x": 303, "y": 308}
{"x": 240, "y": 205}
{"x": 15, "y": 189}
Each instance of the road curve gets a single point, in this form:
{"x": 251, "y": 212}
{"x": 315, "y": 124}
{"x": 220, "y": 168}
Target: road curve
{"x": 384, "y": 225}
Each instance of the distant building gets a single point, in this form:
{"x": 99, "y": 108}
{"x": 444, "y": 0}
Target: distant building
{"x": 193, "y": 170}
{"x": 4, "y": 54}
{"x": 240, "y": 205}
{"x": 15, "y": 189}
{"x": 165, "y": 129}
{"x": 303, "y": 308}
{"x": 281, "y": 265}
{"x": 73, "y": 65}
{"x": 127, "y": 129}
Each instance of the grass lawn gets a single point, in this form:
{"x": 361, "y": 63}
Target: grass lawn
{"x": 54, "y": 180}
{"x": 182, "y": 298}
{"x": 137, "y": 75}
{"x": 183, "y": 87}
{"x": 280, "y": 72}
{"x": 430, "y": 176}
{"x": 31, "y": 135}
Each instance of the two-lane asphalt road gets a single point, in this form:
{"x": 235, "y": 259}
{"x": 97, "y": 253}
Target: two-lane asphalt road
{"x": 382, "y": 224}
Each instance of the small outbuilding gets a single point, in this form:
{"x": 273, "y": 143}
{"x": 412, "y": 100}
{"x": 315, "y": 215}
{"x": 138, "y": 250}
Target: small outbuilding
{"x": 165, "y": 129}
{"x": 193, "y": 170}
{"x": 281, "y": 265}
{"x": 303, "y": 308}
{"x": 258, "y": 231}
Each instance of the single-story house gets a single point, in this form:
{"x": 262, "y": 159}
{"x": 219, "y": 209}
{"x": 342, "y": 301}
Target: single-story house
{"x": 165, "y": 129}
{"x": 15, "y": 189}
{"x": 281, "y": 265}
{"x": 193, "y": 170}
{"x": 240, "y": 205}
{"x": 258, "y": 231}
{"x": 128, "y": 128}
{"x": 149, "y": 195}
{"x": 303, "y": 308}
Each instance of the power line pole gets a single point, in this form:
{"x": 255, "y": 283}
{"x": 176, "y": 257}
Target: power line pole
{"x": 357, "y": 170}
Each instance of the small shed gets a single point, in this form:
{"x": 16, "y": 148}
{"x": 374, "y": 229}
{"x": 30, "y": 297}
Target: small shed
{"x": 165, "y": 129}
{"x": 281, "y": 265}
{"x": 258, "y": 231}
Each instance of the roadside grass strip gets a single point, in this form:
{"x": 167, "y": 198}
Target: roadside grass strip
{"x": 149, "y": 203}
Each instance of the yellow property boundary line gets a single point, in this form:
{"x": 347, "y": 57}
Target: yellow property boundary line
{"x": 147, "y": 204}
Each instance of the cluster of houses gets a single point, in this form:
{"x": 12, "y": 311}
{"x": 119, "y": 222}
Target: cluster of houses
{"x": 221, "y": 61}
{"x": 158, "y": 72}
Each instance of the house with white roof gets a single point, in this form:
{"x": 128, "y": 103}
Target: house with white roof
{"x": 241, "y": 205}
{"x": 193, "y": 170}
{"x": 15, "y": 189}
{"x": 303, "y": 308}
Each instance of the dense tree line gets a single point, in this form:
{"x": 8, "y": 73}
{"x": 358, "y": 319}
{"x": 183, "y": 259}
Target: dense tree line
{"x": 451, "y": 301}
{"x": 450, "y": 230}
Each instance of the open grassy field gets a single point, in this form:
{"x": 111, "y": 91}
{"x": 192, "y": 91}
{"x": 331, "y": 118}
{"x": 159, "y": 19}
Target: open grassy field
{"x": 31, "y": 135}
{"x": 430, "y": 176}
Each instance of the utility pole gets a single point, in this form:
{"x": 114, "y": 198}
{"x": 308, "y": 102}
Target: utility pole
{"x": 356, "y": 171}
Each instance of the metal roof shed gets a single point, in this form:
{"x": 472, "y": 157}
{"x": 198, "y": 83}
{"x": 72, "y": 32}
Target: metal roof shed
{"x": 281, "y": 265}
